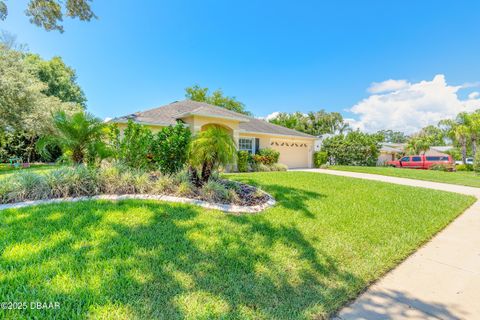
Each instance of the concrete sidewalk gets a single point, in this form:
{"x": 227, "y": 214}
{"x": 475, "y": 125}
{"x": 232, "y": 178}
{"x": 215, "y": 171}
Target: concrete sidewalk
{"x": 439, "y": 281}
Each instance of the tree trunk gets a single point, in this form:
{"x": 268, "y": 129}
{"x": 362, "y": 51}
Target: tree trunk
{"x": 464, "y": 151}
{"x": 206, "y": 171}
{"x": 474, "y": 146}
{"x": 77, "y": 156}
{"x": 194, "y": 177}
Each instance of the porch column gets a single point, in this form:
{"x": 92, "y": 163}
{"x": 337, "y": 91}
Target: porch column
{"x": 236, "y": 136}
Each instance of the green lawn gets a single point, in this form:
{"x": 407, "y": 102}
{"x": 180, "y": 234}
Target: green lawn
{"x": 464, "y": 178}
{"x": 6, "y": 170}
{"x": 319, "y": 247}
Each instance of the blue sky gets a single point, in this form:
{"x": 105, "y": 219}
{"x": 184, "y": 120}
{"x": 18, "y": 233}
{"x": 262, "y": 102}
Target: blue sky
{"x": 271, "y": 55}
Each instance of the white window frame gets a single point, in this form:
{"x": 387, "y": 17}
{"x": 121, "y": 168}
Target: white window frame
{"x": 252, "y": 139}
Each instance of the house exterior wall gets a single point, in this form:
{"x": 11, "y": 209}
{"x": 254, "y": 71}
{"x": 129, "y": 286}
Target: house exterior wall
{"x": 296, "y": 152}
{"x": 383, "y": 157}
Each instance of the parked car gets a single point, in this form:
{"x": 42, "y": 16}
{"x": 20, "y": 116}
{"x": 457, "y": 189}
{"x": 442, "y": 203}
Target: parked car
{"x": 467, "y": 161}
{"x": 422, "y": 162}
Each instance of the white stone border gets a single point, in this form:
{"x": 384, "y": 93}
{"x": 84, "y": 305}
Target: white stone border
{"x": 230, "y": 208}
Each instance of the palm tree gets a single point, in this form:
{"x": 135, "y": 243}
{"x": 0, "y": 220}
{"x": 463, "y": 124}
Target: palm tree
{"x": 474, "y": 128}
{"x": 79, "y": 136}
{"x": 418, "y": 144}
{"x": 209, "y": 150}
{"x": 462, "y": 133}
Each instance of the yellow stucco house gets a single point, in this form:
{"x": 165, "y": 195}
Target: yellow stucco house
{"x": 250, "y": 134}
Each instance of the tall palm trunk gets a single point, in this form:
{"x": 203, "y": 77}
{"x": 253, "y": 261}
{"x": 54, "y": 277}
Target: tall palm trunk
{"x": 207, "y": 169}
{"x": 464, "y": 150}
{"x": 474, "y": 146}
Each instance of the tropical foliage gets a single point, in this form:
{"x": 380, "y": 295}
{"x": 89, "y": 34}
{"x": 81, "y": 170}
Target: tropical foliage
{"x": 209, "y": 150}
{"x": 354, "y": 148}
{"x": 80, "y": 137}
{"x": 320, "y": 158}
{"x": 171, "y": 148}
{"x": 266, "y": 156}
{"x": 314, "y": 123}
{"x": 216, "y": 98}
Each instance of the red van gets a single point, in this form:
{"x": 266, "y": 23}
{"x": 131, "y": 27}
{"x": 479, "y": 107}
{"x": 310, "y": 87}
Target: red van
{"x": 422, "y": 162}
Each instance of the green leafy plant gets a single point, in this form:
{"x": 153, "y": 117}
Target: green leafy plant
{"x": 320, "y": 158}
{"x": 171, "y": 148}
{"x": 212, "y": 148}
{"x": 440, "y": 167}
{"x": 476, "y": 162}
{"x": 243, "y": 158}
{"x": 135, "y": 148}
{"x": 79, "y": 136}
{"x": 266, "y": 156}
{"x": 354, "y": 149}
{"x": 464, "y": 167}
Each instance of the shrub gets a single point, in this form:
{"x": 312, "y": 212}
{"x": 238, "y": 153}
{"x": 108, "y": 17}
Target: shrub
{"x": 440, "y": 167}
{"x": 135, "y": 148}
{"x": 171, "y": 148}
{"x": 214, "y": 191}
{"x": 243, "y": 158}
{"x": 355, "y": 148}
{"x": 27, "y": 186}
{"x": 464, "y": 167}
{"x": 320, "y": 158}
{"x": 266, "y": 156}
{"x": 278, "y": 167}
{"x": 476, "y": 162}
{"x": 260, "y": 167}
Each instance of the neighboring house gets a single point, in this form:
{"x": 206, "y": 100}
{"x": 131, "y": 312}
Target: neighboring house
{"x": 393, "y": 151}
{"x": 250, "y": 134}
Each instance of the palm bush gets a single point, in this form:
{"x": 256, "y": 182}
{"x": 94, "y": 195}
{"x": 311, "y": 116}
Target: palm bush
{"x": 79, "y": 136}
{"x": 212, "y": 148}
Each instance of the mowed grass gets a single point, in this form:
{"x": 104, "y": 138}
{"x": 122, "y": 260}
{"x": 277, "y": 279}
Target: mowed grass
{"x": 326, "y": 239}
{"x": 6, "y": 170}
{"x": 464, "y": 178}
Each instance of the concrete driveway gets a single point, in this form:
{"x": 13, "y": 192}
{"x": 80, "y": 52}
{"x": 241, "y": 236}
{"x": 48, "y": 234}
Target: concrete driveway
{"x": 439, "y": 281}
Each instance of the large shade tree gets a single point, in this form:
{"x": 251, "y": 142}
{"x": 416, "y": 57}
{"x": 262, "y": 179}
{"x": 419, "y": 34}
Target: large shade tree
{"x": 216, "y": 98}
{"x": 25, "y": 108}
{"x": 314, "y": 123}
{"x": 49, "y": 14}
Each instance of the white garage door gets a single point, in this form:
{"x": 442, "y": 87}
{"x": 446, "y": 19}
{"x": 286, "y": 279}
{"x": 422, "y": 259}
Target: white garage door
{"x": 293, "y": 154}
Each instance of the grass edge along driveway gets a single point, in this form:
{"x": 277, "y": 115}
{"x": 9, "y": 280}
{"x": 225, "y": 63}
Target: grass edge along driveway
{"x": 326, "y": 240}
{"x": 463, "y": 178}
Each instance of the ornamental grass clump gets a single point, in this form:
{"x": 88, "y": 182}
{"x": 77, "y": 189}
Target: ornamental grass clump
{"x": 215, "y": 191}
{"x": 27, "y": 186}
{"x": 76, "y": 181}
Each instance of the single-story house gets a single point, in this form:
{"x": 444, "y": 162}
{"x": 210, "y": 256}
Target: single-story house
{"x": 393, "y": 151}
{"x": 250, "y": 134}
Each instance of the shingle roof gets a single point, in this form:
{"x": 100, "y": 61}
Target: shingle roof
{"x": 168, "y": 115}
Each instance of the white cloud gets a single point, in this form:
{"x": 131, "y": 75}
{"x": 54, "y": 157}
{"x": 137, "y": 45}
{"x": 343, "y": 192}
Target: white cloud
{"x": 410, "y": 106}
{"x": 271, "y": 116}
{"x": 473, "y": 95}
{"x": 387, "y": 86}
